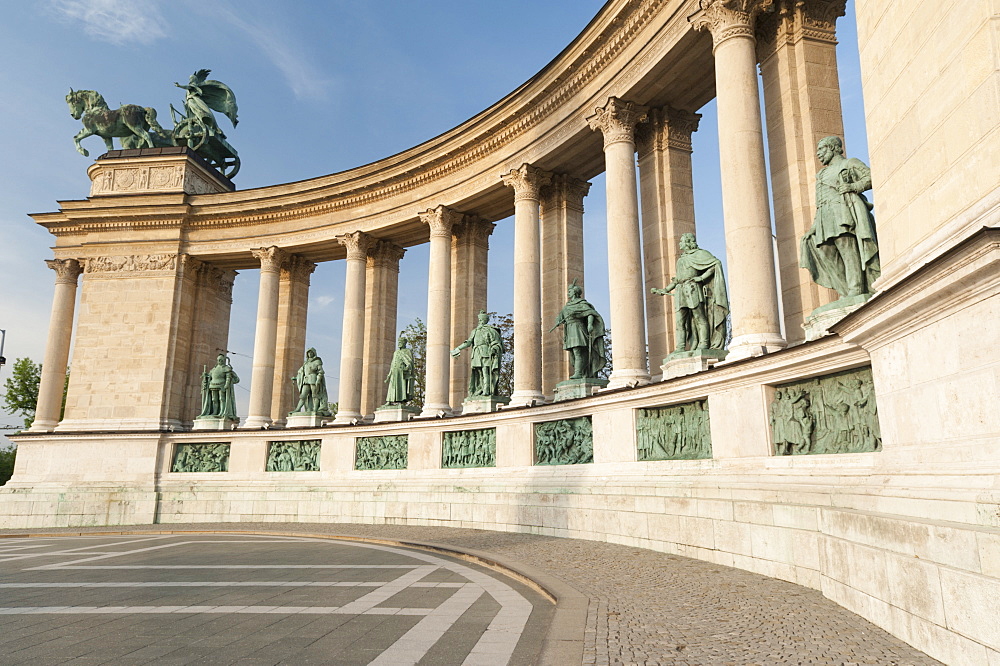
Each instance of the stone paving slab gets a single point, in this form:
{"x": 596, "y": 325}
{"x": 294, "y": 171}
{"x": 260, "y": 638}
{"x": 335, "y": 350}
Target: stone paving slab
{"x": 626, "y": 605}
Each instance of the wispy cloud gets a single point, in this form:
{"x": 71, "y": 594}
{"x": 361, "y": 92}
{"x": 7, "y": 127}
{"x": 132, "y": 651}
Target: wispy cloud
{"x": 117, "y": 21}
{"x": 281, "y": 48}
{"x": 323, "y": 301}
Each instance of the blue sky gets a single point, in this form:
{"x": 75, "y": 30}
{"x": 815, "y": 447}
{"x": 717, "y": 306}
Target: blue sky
{"x": 322, "y": 86}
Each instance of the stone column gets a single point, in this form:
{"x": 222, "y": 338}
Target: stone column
{"x": 438, "y": 359}
{"x": 527, "y": 183}
{"x": 797, "y": 49}
{"x": 382, "y": 283}
{"x": 353, "y": 333}
{"x": 470, "y": 244}
{"x": 562, "y": 248}
{"x": 753, "y": 292}
{"x": 53, "y": 379}
{"x": 265, "y": 337}
{"x": 666, "y": 192}
{"x": 617, "y": 120}
{"x": 293, "y": 306}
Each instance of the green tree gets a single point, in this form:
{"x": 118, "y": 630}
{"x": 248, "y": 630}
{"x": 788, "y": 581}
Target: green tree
{"x": 21, "y": 389}
{"x": 7, "y": 463}
{"x": 416, "y": 338}
{"x": 506, "y": 325}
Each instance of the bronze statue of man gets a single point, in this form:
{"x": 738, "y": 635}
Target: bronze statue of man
{"x": 487, "y": 352}
{"x": 701, "y": 303}
{"x": 401, "y": 375}
{"x": 310, "y": 380}
{"x": 218, "y": 395}
{"x": 583, "y": 334}
{"x": 840, "y": 251}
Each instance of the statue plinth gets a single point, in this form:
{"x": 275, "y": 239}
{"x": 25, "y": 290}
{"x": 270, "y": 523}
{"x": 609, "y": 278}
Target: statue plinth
{"x": 817, "y": 324}
{"x": 296, "y": 420}
{"x": 215, "y": 423}
{"x": 578, "y": 388}
{"x": 392, "y": 413}
{"x": 483, "y": 404}
{"x": 175, "y": 169}
{"x": 683, "y": 363}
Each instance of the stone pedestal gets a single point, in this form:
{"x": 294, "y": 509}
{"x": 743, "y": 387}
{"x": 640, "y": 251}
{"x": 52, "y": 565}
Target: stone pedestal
{"x": 212, "y": 423}
{"x": 155, "y": 171}
{"x": 306, "y": 420}
{"x": 578, "y": 388}
{"x": 817, "y": 324}
{"x": 391, "y": 413}
{"x": 483, "y": 404}
{"x": 679, "y": 364}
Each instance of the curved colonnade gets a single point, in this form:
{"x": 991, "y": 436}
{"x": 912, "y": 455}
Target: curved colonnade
{"x": 906, "y": 536}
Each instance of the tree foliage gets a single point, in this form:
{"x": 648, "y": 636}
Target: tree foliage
{"x": 7, "y": 463}
{"x": 21, "y": 389}
{"x": 506, "y": 325}
{"x": 416, "y": 338}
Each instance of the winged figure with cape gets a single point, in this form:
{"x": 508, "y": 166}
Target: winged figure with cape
{"x": 206, "y": 95}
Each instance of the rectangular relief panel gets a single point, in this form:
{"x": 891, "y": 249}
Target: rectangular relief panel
{"x": 565, "y": 442}
{"x": 831, "y": 414}
{"x": 385, "y": 452}
{"x": 203, "y": 457}
{"x": 677, "y": 432}
{"x": 293, "y": 456}
{"x": 469, "y": 448}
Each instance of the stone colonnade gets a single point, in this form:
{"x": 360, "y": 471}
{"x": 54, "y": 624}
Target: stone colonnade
{"x": 794, "y": 43}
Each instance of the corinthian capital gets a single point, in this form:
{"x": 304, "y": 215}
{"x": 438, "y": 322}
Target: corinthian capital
{"x": 526, "y": 181}
{"x": 298, "y": 269}
{"x": 727, "y": 19}
{"x": 617, "y": 120}
{"x": 357, "y": 244}
{"x": 440, "y": 220}
{"x": 67, "y": 270}
{"x": 474, "y": 230}
{"x": 667, "y": 128}
{"x": 566, "y": 191}
{"x": 270, "y": 258}
{"x": 385, "y": 254}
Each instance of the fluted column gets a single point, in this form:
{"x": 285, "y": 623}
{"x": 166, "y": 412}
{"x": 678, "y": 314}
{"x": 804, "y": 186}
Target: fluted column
{"x": 797, "y": 49}
{"x": 666, "y": 192}
{"x": 53, "y": 379}
{"x": 436, "y": 387}
{"x": 753, "y": 293}
{"x": 266, "y": 336}
{"x": 382, "y": 287}
{"x": 562, "y": 249}
{"x": 293, "y": 307}
{"x": 352, "y": 345}
{"x": 470, "y": 244}
{"x": 527, "y": 183}
{"x": 617, "y": 120}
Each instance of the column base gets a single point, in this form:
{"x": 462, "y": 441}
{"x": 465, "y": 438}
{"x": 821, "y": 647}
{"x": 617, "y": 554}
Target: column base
{"x": 483, "y": 404}
{"x": 256, "y": 423}
{"x": 680, "y": 364}
{"x": 817, "y": 324}
{"x": 628, "y": 379}
{"x": 754, "y": 344}
{"x": 578, "y": 388}
{"x": 348, "y": 418}
{"x": 42, "y": 426}
{"x": 307, "y": 420}
{"x": 436, "y": 411}
{"x": 526, "y": 399}
{"x": 213, "y": 423}
{"x": 392, "y": 413}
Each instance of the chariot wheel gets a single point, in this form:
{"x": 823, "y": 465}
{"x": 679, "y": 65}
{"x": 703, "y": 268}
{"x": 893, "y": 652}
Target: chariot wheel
{"x": 191, "y": 132}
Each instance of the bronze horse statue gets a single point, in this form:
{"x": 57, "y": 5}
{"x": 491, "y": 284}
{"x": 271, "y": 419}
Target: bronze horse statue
{"x": 131, "y": 122}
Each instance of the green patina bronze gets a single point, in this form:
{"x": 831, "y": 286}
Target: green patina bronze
{"x": 840, "y": 250}
{"x": 701, "y": 303}
{"x": 137, "y": 126}
{"x": 565, "y": 442}
{"x": 210, "y": 457}
{"x": 218, "y": 393}
{"x": 469, "y": 448}
{"x": 487, "y": 352}
{"x": 402, "y": 376}
{"x": 310, "y": 380}
{"x": 831, "y": 414}
{"x": 678, "y": 432}
{"x": 583, "y": 335}
{"x": 294, "y": 456}
{"x": 385, "y": 452}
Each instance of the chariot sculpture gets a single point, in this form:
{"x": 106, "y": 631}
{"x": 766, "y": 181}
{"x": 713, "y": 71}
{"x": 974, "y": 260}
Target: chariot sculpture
{"x": 137, "y": 126}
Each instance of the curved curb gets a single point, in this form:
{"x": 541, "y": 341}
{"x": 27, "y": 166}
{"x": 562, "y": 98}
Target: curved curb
{"x": 563, "y": 643}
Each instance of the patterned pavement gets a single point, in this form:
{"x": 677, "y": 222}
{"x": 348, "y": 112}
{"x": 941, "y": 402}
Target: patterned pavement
{"x": 617, "y": 604}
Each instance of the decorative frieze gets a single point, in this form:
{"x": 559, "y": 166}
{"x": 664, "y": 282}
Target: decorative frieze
{"x": 294, "y": 456}
{"x": 678, "y": 432}
{"x": 153, "y": 175}
{"x": 527, "y": 181}
{"x": 208, "y": 457}
{"x": 617, "y": 120}
{"x": 131, "y": 264}
{"x": 565, "y": 442}
{"x": 385, "y": 452}
{"x": 831, "y": 414}
{"x": 67, "y": 270}
{"x": 469, "y": 448}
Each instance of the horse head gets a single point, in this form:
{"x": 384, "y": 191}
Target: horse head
{"x": 75, "y": 102}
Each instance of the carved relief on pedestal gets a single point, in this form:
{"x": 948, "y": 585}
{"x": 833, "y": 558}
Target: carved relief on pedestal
{"x": 131, "y": 176}
{"x": 130, "y": 264}
{"x": 617, "y": 120}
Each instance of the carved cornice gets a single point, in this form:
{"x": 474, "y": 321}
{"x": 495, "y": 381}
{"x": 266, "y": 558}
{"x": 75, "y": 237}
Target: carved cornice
{"x": 67, "y": 270}
{"x": 667, "y": 128}
{"x": 357, "y": 244}
{"x": 385, "y": 254}
{"x": 794, "y": 20}
{"x": 565, "y": 190}
{"x": 473, "y": 230}
{"x": 130, "y": 264}
{"x": 527, "y": 181}
{"x": 440, "y": 220}
{"x": 617, "y": 120}
{"x": 726, "y": 19}
{"x": 297, "y": 269}
{"x": 271, "y": 258}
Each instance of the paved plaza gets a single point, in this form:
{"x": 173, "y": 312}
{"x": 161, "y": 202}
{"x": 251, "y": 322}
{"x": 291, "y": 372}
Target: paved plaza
{"x": 282, "y": 593}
